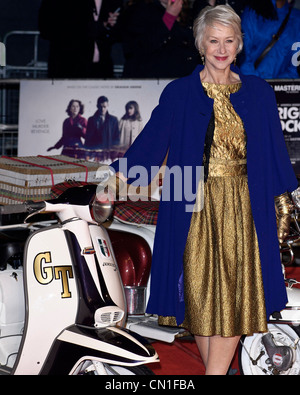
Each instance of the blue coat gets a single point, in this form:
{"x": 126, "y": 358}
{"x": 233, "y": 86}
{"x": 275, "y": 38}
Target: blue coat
{"x": 178, "y": 126}
{"x": 258, "y": 33}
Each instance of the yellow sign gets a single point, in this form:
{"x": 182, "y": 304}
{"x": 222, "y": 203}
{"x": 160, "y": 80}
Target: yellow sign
{"x": 45, "y": 275}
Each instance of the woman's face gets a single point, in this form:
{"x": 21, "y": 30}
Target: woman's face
{"x": 75, "y": 108}
{"x": 219, "y": 46}
{"x": 130, "y": 111}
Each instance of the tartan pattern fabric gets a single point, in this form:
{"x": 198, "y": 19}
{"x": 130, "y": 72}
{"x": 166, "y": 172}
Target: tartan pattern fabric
{"x": 58, "y": 189}
{"x": 140, "y": 212}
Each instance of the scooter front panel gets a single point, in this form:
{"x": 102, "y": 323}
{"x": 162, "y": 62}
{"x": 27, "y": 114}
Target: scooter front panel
{"x": 108, "y": 265}
{"x": 109, "y": 345}
{"x": 51, "y": 295}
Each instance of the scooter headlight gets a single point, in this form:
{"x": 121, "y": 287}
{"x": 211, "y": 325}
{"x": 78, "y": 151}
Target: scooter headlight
{"x": 101, "y": 207}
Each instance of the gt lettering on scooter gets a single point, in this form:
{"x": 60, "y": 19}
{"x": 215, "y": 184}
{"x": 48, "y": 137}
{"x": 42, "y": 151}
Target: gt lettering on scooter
{"x": 45, "y": 275}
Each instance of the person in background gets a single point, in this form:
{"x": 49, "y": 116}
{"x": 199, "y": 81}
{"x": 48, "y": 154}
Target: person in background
{"x": 74, "y": 128}
{"x": 81, "y": 34}
{"x": 261, "y": 20}
{"x": 158, "y": 39}
{"x": 102, "y": 128}
{"x": 130, "y": 124}
{"x": 216, "y": 267}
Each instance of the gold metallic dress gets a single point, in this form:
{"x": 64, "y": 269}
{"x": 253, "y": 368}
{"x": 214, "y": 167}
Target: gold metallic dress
{"x": 222, "y": 272}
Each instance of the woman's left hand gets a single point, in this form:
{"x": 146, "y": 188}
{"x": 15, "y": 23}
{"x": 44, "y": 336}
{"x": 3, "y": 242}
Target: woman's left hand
{"x": 283, "y": 227}
{"x": 284, "y": 208}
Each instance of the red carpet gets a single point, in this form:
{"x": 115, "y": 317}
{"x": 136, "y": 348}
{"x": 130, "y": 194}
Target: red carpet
{"x": 182, "y": 356}
{"x": 179, "y": 358}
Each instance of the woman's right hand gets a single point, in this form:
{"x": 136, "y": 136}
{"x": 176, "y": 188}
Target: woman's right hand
{"x": 112, "y": 19}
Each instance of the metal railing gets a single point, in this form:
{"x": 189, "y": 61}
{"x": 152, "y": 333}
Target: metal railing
{"x": 10, "y": 76}
{"x": 35, "y": 67}
{"x": 8, "y": 140}
{"x": 9, "y": 116}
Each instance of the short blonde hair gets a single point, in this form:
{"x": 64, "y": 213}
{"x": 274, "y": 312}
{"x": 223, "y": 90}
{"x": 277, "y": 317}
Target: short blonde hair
{"x": 223, "y": 14}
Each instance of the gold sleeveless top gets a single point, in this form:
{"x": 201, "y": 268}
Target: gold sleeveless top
{"x": 228, "y": 149}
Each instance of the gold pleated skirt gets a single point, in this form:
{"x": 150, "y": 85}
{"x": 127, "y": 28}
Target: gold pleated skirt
{"x": 222, "y": 272}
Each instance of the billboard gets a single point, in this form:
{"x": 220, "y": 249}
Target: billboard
{"x": 288, "y": 100}
{"x": 43, "y": 116}
{"x": 111, "y": 115}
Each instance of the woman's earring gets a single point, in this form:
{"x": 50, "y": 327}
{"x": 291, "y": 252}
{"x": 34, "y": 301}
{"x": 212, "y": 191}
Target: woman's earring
{"x": 234, "y": 62}
{"x": 203, "y": 59}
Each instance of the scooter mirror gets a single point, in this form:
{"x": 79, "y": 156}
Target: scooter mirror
{"x": 102, "y": 206}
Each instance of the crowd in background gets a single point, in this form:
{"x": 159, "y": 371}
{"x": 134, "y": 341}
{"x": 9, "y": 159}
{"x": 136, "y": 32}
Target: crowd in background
{"x": 157, "y": 41}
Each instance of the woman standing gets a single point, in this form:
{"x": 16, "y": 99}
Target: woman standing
{"x": 74, "y": 128}
{"x": 130, "y": 124}
{"x": 217, "y": 272}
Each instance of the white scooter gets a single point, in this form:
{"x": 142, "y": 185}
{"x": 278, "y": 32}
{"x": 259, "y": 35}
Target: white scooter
{"x": 80, "y": 325}
{"x": 62, "y": 311}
